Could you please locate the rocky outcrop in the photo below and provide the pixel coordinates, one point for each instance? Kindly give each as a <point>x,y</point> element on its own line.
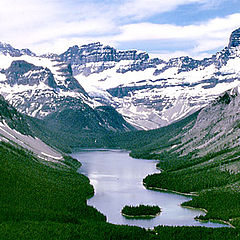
<point>96,58</point>
<point>7,49</point>
<point>23,73</point>
<point>96,52</point>
<point>234,39</point>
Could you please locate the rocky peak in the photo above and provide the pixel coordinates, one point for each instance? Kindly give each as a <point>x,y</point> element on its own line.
<point>234,38</point>
<point>28,52</point>
<point>52,56</point>
<point>20,67</point>
<point>24,73</point>
<point>96,52</point>
<point>7,49</point>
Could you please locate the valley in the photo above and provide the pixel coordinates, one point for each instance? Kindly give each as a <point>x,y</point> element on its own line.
<point>182,113</point>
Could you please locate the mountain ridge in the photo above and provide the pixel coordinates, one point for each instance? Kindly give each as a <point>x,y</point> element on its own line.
<point>149,93</point>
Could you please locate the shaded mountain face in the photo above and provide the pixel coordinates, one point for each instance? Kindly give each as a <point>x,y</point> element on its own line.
<point>23,73</point>
<point>101,119</point>
<point>234,38</point>
<point>217,126</point>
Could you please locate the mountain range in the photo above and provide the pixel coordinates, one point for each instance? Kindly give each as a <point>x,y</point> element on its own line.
<point>148,92</point>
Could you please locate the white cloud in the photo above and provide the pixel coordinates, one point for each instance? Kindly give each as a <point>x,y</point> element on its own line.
<point>16,14</point>
<point>166,55</point>
<point>54,25</point>
<point>215,29</point>
<point>206,36</point>
<point>90,27</point>
<point>144,8</point>
<point>38,24</point>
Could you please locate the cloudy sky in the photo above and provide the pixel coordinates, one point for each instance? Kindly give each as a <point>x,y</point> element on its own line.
<point>161,27</point>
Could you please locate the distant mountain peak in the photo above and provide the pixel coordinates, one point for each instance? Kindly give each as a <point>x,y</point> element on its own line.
<point>7,49</point>
<point>97,52</point>
<point>234,38</point>
<point>23,73</point>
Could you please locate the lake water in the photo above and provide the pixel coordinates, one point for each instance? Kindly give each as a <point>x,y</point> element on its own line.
<point>117,180</point>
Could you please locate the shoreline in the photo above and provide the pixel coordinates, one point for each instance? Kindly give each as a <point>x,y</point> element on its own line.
<point>189,207</point>
<point>141,216</point>
<point>170,191</point>
<point>208,220</point>
<point>216,221</point>
<point>195,208</point>
<point>167,191</point>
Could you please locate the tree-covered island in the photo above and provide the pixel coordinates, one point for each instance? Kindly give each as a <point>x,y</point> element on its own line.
<point>141,211</point>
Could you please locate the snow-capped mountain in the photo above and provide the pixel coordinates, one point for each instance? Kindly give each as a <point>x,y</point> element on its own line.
<point>151,92</point>
<point>7,49</point>
<point>38,86</point>
<point>43,85</point>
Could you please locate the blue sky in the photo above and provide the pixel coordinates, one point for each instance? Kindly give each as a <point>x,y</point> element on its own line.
<point>164,28</point>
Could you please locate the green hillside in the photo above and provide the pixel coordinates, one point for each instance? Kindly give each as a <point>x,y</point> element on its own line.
<point>40,202</point>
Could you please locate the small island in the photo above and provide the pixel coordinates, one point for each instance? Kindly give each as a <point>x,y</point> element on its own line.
<point>141,211</point>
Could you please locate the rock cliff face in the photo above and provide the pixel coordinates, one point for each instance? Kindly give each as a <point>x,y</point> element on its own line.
<point>217,126</point>
<point>23,73</point>
<point>96,52</point>
<point>234,38</point>
<point>102,58</point>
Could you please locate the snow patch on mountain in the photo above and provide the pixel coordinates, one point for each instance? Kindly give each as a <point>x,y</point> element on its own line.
<point>153,95</point>
<point>148,92</point>
<point>46,86</point>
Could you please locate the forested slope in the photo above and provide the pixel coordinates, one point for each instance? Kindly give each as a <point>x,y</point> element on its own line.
<point>40,202</point>
<point>204,160</point>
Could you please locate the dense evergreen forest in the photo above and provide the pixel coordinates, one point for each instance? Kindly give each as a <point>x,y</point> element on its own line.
<point>41,202</point>
<point>216,187</point>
